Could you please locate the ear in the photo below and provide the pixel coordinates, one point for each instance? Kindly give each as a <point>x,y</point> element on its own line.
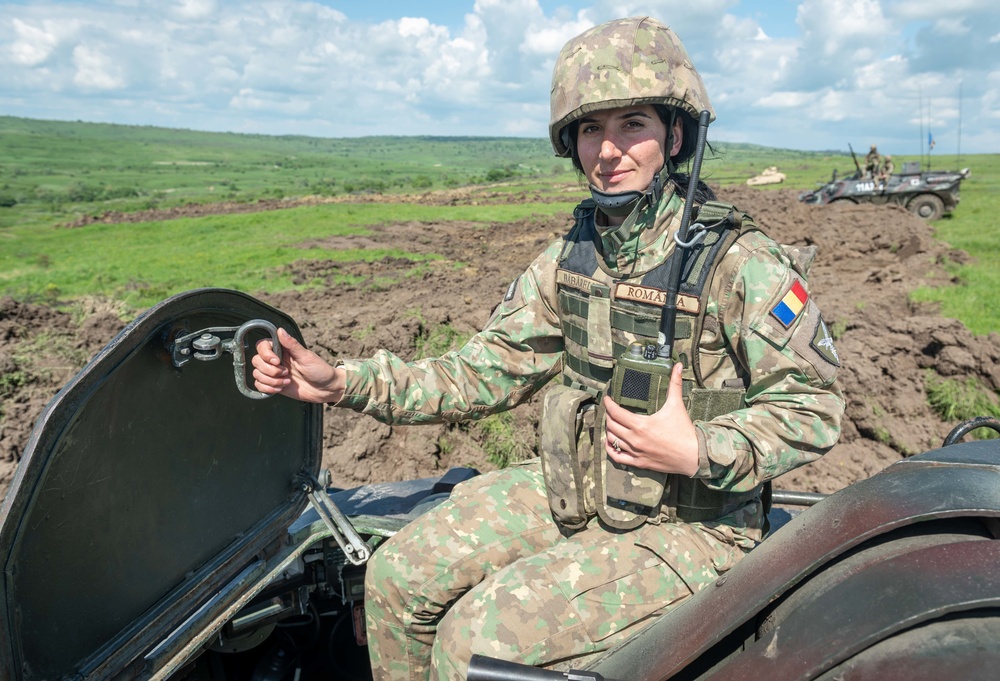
<point>678,137</point>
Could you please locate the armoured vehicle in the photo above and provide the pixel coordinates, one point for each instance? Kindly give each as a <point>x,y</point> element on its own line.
<point>166,522</point>
<point>928,194</point>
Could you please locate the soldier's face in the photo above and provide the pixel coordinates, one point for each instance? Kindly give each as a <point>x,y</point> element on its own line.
<point>622,149</point>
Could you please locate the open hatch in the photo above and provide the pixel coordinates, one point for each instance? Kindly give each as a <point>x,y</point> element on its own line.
<point>150,496</point>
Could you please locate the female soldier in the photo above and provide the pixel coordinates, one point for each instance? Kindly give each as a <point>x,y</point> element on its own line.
<point>626,514</point>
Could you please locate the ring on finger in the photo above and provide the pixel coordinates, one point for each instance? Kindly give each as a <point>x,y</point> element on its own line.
<point>617,445</point>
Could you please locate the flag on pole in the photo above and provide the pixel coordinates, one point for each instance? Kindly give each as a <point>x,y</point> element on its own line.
<point>930,141</point>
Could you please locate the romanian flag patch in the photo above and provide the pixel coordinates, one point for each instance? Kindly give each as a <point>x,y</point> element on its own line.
<point>791,304</point>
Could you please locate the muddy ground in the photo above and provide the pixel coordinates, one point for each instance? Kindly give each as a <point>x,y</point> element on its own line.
<point>869,258</point>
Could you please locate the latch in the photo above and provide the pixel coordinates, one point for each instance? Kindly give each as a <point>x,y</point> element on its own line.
<point>343,532</point>
<point>210,344</point>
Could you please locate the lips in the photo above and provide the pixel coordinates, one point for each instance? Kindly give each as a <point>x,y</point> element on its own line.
<point>614,177</point>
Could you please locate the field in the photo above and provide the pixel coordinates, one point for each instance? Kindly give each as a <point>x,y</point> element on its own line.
<point>405,243</point>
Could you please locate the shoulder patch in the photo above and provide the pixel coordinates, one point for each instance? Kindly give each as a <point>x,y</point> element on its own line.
<point>822,342</point>
<point>791,304</point>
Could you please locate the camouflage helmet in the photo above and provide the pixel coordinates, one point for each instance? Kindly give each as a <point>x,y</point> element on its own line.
<point>625,62</point>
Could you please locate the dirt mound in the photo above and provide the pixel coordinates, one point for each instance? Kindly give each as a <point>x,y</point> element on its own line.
<point>869,258</point>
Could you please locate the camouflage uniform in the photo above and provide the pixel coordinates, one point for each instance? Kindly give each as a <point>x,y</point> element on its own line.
<point>496,535</point>
<point>886,171</point>
<point>872,162</point>
<point>489,570</point>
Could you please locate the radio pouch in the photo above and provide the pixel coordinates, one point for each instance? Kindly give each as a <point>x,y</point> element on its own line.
<point>628,496</point>
<point>565,447</point>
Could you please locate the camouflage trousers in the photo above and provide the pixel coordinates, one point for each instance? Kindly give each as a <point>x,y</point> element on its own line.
<point>488,571</point>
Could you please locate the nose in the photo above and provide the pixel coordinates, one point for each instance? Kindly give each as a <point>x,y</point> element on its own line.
<point>609,149</point>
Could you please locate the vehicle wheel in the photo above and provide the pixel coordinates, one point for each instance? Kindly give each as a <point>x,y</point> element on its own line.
<point>843,200</point>
<point>926,206</point>
<point>962,646</point>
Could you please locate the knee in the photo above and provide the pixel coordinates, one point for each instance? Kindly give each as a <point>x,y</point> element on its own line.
<point>386,587</point>
<point>453,647</point>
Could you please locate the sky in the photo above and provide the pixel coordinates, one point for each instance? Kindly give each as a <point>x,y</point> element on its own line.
<point>809,74</point>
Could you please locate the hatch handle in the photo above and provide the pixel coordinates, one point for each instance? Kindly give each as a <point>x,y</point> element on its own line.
<point>211,343</point>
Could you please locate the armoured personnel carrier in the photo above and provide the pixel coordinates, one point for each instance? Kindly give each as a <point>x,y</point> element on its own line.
<point>165,523</point>
<point>927,194</point>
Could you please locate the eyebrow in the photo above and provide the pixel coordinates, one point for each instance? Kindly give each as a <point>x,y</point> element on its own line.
<point>631,114</point>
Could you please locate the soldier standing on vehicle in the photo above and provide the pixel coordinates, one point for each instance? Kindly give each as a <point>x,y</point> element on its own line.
<point>885,172</point>
<point>529,563</point>
<point>872,162</point>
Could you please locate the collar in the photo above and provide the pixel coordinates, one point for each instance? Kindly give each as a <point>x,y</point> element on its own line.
<point>623,245</point>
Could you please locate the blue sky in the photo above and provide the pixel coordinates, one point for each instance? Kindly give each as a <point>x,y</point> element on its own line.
<point>799,74</point>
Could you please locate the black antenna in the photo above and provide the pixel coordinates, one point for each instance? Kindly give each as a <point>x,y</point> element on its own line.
<point>668,316</point>
<point>959,123</point>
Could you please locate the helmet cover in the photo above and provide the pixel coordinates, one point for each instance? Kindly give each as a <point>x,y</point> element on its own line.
<point>625,62</point>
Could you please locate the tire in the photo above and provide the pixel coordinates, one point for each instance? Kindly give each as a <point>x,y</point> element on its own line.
<point>844,200</point>
<point>926,206</point>
<point>962,646</point>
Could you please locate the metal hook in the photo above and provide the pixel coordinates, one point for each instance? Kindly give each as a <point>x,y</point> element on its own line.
<point>700,231</point>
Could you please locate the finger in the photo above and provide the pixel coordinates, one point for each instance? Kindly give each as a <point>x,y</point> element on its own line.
<point>289,344</point>
<point>266,368</point>
<point>675,395</point>
<point>269,380</point>
<point>615,413</point>
<point>265,351</point>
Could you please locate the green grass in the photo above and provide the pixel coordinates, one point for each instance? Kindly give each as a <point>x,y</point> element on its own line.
<point>52,172</point>
<point>141,263</point>
<point>65,169</point>
<point>728,164</point>
<point>958,400</point>
<point>500,441</point>
<point>974,227</point>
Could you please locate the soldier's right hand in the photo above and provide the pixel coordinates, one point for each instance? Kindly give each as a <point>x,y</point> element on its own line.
<point>300,373</point>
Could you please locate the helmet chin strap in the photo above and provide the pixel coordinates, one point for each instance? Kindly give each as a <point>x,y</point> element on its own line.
<point>626,203</point>
<point>631,204</point>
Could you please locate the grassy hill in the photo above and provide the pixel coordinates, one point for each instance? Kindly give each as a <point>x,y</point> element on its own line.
<point>54,172</point>
<point>50,168</point>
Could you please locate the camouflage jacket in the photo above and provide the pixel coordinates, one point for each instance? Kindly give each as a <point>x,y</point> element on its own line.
<point>794,405</point>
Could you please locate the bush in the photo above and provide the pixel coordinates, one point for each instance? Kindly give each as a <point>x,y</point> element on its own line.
<point>960,400</point>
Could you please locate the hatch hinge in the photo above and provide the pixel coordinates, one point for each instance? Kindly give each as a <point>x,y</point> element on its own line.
<point>343,532</point>
<point>211,343</point>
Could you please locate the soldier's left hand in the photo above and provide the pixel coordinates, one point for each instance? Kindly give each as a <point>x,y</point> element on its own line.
<point>665,441</point>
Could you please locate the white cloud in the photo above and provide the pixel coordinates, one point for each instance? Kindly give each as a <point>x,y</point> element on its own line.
<point>96,70</point>
<point>951,26</point>
<point>33,44</point>
<point>192,10</point>
<point>929,10</point>
<point>855,28</point>
<point>855,69</point>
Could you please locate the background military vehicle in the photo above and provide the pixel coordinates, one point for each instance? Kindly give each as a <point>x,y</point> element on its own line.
<point>928,194</point>
<point>166,524</point>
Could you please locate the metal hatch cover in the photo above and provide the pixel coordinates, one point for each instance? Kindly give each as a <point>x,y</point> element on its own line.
<point>145,489</point>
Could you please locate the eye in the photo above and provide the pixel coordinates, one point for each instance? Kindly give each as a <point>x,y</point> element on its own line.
<point>589,128</point>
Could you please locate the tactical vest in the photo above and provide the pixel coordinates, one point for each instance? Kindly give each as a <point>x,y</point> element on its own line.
<point>601,312</point>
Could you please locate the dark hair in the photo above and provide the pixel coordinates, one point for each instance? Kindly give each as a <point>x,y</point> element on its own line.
<point>688,142</point>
